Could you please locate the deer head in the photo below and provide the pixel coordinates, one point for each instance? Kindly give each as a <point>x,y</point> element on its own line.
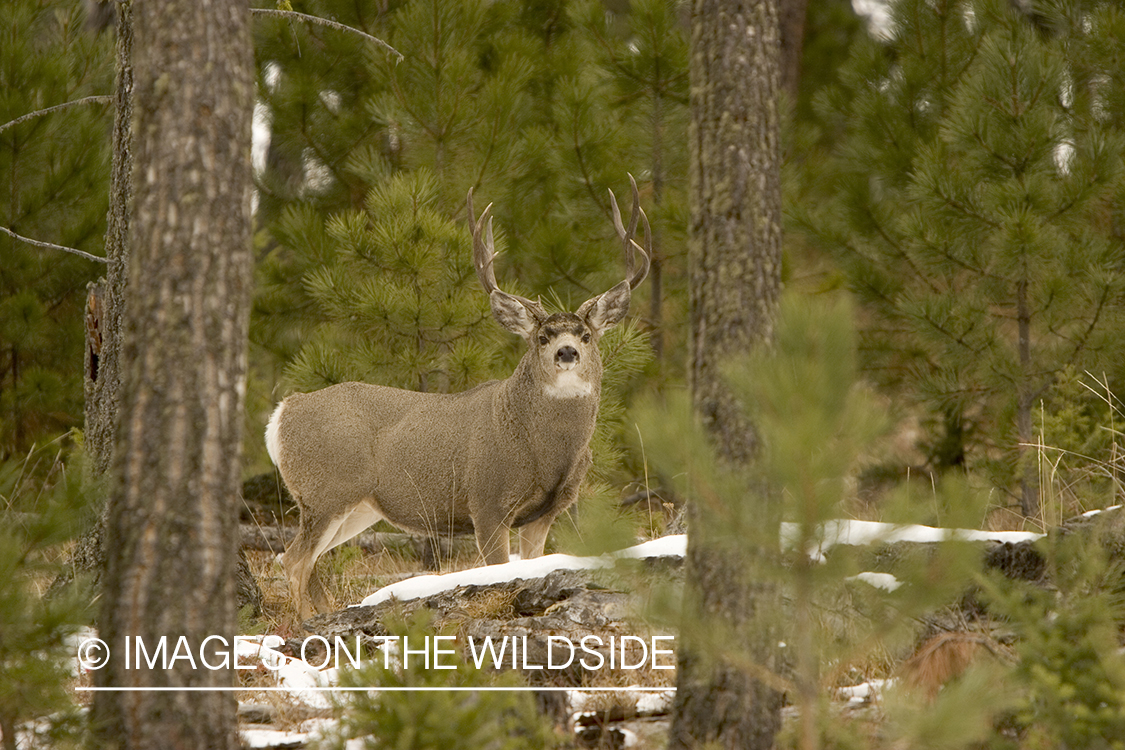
<point>564,345</point>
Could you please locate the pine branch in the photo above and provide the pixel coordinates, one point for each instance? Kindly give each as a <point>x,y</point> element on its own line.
<point>56,108</point>
<point>50,246</point>
<point>292,14</point>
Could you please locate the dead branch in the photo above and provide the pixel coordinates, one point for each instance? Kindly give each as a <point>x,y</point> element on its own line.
<point>56,108</point>
<point>292,14</point>
<point>51,246</point>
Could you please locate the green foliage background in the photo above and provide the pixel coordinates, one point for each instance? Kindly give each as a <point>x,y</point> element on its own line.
<point>970,194</point>
<point>54,176</point>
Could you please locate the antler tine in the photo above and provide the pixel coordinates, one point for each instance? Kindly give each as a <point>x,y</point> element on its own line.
<point>629,245</point>
<point>483,247</point>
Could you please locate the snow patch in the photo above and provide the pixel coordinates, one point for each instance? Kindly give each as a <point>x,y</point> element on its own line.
<point>884,581</point>
<point>865,692</point>
<point>537,567</point>
<point>858,533</point>
<point>1096,511</point>
<point>308,732</point>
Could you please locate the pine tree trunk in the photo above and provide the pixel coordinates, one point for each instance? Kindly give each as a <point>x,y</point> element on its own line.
<point>656,269</point>
<point>1025,402</point>
<point>792,27</point>
<point>735,232</point>
<point>172,533</point>
<point>106,301</point>
<point>735,257</point>
<point>105,304</point>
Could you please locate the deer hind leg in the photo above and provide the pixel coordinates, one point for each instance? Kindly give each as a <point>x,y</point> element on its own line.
<point>299,560</point>
<point>314,538</point>
<point>362,517</point>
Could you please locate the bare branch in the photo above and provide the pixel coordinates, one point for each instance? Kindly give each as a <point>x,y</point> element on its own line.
<point>56,108</point>
<point>292,14</point>
<point>50,246</point>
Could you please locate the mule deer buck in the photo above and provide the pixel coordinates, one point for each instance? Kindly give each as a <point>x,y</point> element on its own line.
<point>505,454</point>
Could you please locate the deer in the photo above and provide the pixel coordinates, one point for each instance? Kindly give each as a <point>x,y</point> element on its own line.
<point>506,454</point>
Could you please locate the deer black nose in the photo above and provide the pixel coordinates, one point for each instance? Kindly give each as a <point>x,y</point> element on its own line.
<point>566,355</point>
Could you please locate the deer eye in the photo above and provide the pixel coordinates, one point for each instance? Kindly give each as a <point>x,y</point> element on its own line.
<point>586,338</point>
<point>543,341</point>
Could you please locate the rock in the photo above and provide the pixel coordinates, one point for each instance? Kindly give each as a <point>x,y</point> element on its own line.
<point>517,598</point>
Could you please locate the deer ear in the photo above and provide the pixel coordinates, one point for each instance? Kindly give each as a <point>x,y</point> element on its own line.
<point>514,313</point>
<point>607,309</point>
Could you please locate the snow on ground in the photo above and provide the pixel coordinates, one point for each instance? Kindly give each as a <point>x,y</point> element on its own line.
<point>309,731</point>
<point>647,700</point>
<point>830,534</point>
<point>868,532</point>
<point>866,692</point>
<point>1096,511</point>
<point>537,567</point>
<point>884,581</point>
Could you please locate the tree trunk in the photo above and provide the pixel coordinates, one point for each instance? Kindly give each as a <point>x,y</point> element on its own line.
<point>105,303</point>
<point>1025,402</point>
<point>172,531</point>
<point>735,233</point>
<point>791,22</point>
<point>723,694</point>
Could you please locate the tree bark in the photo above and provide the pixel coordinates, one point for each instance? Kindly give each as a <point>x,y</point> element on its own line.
<point>724,694</point>
<point>735,233</point>
<point>105,304</point>
<point>172,531</point>
<point>106,298</point>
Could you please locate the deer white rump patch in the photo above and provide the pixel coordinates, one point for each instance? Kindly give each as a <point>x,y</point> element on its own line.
<point>568,384</point>
<point>273,442</point>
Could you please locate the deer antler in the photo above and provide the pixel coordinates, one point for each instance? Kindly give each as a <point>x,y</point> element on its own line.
<point>483,248</point>
<point>634,275</point>
<point>484,253</point>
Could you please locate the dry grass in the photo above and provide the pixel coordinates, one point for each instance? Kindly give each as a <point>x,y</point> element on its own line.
<point>490,604</point>
<point>348,573</point>
<point>946,656</point>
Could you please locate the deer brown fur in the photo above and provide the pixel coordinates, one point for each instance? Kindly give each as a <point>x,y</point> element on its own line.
<point>507,454</point>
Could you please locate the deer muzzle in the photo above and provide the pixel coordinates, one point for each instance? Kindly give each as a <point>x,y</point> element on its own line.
<point>566,357</point>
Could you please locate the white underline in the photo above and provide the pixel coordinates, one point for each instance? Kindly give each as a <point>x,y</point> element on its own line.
<point>420,689</point>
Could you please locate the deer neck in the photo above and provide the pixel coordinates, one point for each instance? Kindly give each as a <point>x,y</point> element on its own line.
<point>566,407</point>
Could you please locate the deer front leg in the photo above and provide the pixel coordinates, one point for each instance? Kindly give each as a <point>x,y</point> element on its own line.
<point>492,538</point>
<point>533,537</point>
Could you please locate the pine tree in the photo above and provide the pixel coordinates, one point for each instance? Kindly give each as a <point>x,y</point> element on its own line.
<point>314,85</point>
<point>36,655</point>
<point>644,57</point>
<point>417,714</point>
<point>1070,678</point>
<point>397,294</point>
<point>53,189</point>
<point>516,100</point>
<point>974,208</point>
<point>735,250</point>
<point>171,528</point>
